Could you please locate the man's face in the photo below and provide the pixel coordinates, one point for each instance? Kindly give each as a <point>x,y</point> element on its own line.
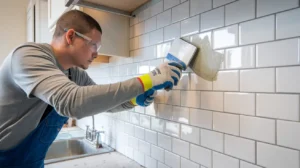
<point>85,51</point>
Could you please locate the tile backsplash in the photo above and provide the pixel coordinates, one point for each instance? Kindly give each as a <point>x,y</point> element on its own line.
<point>247,118</point>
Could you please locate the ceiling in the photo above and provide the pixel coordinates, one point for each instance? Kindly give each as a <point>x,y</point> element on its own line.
<point>124,5</point>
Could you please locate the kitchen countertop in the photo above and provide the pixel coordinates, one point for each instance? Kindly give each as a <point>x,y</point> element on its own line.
<point>107,160</point>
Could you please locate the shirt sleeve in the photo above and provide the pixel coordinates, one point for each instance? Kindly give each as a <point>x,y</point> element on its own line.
<point>82,78</point>
<point>36,73</point>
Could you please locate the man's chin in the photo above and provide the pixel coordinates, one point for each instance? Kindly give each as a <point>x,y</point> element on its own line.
<point>85,67</point>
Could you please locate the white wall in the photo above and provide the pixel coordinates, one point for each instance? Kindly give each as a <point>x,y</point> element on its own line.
<point>248,118</point>
<point>12,25</point>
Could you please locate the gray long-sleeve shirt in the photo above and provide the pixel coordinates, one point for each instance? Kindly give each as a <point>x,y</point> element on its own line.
<point>31,78</point>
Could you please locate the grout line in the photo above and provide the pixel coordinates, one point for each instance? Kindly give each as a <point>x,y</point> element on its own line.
<point>255,9</point>
<point>221,133</point>
<point>255,159</point>
<point>276,121</point>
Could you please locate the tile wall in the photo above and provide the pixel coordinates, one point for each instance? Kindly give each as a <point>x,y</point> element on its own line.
<point>248,118</point>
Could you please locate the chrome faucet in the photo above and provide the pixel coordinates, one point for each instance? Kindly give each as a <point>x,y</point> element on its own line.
<point>92,135</point>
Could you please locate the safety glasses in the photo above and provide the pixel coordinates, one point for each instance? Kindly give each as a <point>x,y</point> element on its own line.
<point>93,46</point>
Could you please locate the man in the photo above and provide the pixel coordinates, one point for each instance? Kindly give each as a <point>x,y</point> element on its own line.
<point>44,84</point>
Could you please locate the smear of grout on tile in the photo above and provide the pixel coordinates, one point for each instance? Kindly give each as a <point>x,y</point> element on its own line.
<point>206,62</point>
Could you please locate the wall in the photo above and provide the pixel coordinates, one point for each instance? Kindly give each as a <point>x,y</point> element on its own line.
<point>13,25</point>
<point>248,118</point>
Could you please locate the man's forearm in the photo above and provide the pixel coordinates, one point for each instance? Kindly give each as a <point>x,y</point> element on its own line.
<point>123,107</point>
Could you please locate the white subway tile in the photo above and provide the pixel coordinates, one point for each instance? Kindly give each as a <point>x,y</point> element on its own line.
<point>265,7</point>
<point>143,67</point>
<point>240,148</point>
<point>150,53</point>
<point>151,136</point>
<point>150,162</point>
<point>139,109</point>
<point>172,128</point>
<point>180,12</point>
<point>165,141</point>
<point>170,3</point>
<point>212,19</point>
<point>190,99</point>
<point>144,15</point>
<point>239,11</point>
<point>288,134</point>
<point>285,24</point>
<point>139,132</point>
<point>258,30</point>
<point>212,101</point>
<point>191,134</point>
<point>172,160</point>
<point>150,24</point>
<point>188,164</point>
<point>248,165</point>
<point>181,114</point>
<point>198,83</point>
<point>173,97</point>
<point>144,147</point>
<point>217,3</point>
<point>222,161</point>
<point>164,19</point>
<point>129,129</point>
<point>145,121</point>
<point>134,43</point>
<point>200,6</point>
<point>212,140</point>
<point>157,153</point>
<point>258,128</point>
<point>152,109</point>
<point>160,97</point>
<point>163,49</point>
<point>277,157</point>
<point>201,155</point>
<point>157,124</point>
<point>139,29</point>
<point>257,80</point>
<point>161,165</point>
<point>279,53</point>
<point>135,118</point>
<point>133,21</point>
<point>139,157</point>
<point>181,148</point>
<point>133,142</point>
<point>184,83</point>
<point>226,37</point>
<point>190,26</point>
<point>131,32</point>
<point>156,8</point>
<point>240,57</point>
<point>240,103</point>
<point>144,40</point>
<point>171,32</point>
<point>156,37</point>
<point>227,81</point>
<point>281,106</point>
<point>165,111</point>
<point>201,118</point>
<point>288,79</point>
<point>227,123</point>
<point>129,152</point>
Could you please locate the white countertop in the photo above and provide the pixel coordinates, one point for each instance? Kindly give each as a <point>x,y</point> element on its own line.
<point>107,160</point>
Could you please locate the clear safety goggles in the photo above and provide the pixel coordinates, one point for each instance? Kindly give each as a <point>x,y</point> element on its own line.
<point>93,46</point>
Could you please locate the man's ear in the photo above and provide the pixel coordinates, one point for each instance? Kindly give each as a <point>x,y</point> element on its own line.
<point>70,36</point>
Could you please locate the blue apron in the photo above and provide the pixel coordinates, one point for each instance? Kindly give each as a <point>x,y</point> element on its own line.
<point>31,152</point>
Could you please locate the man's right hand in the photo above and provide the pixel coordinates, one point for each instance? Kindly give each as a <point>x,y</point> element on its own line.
<point>163,77</point>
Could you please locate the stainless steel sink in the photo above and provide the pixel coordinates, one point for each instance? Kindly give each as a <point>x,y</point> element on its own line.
<point>62,150</point>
